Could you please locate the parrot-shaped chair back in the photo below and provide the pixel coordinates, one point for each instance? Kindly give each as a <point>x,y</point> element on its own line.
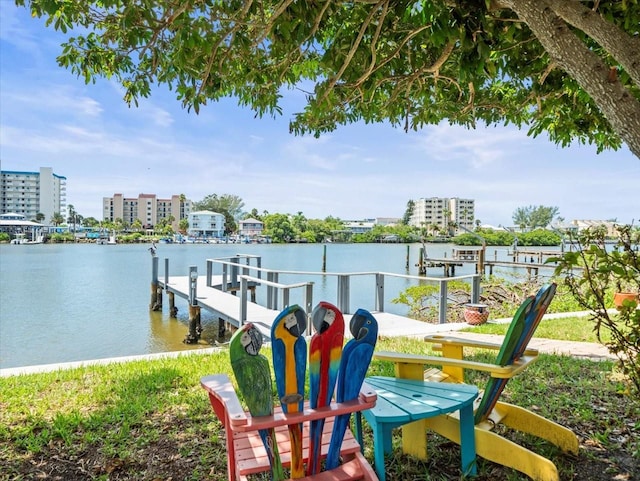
<point>356,357</point>
<point>289,349</point>
<point>253,376</point>
<point>325,351</point>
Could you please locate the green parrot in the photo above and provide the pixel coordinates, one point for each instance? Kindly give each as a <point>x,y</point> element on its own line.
<point>253,377</point>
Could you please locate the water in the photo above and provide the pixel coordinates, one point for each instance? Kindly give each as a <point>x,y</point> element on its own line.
<point>61,303</point>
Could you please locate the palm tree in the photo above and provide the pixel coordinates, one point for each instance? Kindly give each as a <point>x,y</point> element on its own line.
<point>57,219</point>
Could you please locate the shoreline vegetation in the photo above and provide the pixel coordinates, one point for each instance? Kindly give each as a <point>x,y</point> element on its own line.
<point>150,420</point>
<point>379,234</point>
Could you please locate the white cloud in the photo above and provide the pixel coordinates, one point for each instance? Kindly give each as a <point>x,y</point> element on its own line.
<point>479,147</point>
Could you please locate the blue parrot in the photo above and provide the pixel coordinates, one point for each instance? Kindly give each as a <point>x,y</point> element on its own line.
<point>253,376</point>
<point>356,356</point>
<point>289,350</point>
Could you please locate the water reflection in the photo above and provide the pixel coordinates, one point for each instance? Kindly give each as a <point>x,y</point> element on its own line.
<point>167,334</point>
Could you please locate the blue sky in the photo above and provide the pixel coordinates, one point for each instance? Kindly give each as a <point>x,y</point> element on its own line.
<point>87,133</point>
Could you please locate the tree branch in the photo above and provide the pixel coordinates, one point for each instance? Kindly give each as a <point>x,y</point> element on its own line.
<point>618,106</point>
<point>619,44</point>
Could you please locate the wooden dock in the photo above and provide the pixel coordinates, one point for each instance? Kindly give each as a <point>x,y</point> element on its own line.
<point>227,307</point>
<point>449,265</point>
<point>231,298</point>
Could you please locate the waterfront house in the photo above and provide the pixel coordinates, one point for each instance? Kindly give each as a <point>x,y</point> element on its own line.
<point>250,228</point>
<point>206,224</point>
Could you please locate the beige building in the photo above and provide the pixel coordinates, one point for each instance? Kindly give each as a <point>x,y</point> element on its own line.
<point>250,227</point>
<point>147,208</point>
<point>439,212</point>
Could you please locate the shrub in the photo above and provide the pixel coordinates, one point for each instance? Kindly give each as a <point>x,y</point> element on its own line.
<point>592,273</point>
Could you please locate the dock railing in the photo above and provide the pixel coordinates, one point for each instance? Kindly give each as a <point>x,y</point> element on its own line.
<point>284,290</point>
<point>238,273</point>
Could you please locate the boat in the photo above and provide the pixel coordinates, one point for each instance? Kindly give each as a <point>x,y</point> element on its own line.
<point>110,241</point>
<point>21,239</point>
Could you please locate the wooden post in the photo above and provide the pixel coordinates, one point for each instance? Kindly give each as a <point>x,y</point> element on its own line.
<point>221,329</point>
<point>481,255</point>
<point>195,327</point>
<point>324,258</point>
<point>173,310</point>
<point>158,305</point>
<point>194,310</point>
<point>154,283</point>
<point>422,269</point>
<point>407,261</point>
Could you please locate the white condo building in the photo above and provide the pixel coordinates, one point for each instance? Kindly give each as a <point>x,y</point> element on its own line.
<point>31,193</point>
<point>439,212</point>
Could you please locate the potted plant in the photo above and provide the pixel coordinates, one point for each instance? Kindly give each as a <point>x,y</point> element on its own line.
<point>597,274</point>
<point>625,291</point>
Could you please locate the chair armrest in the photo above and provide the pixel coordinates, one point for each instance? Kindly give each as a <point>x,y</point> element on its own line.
<point>279,418</point>
<point>494,370</point>
<point>462,342</point>
<point>222,392</point>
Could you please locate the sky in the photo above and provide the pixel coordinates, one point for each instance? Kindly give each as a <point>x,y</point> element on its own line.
<point>88,134</point>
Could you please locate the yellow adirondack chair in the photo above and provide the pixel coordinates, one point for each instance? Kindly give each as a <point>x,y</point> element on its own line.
<point>513,358</point>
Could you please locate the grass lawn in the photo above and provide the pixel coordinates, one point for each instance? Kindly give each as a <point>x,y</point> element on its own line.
<point>150,420</point>
<point>563,328</point>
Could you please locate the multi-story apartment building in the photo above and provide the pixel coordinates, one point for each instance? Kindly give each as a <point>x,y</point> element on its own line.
<point>206,224</point>
<point>33,193</point>
<point>146,208</point>
<point>439,213</point>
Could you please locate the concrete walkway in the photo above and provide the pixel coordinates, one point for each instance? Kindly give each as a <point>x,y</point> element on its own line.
<point>585,350</point>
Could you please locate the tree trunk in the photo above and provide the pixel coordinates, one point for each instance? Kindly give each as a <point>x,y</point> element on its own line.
<point>619,107</point>
<point>619,44</point>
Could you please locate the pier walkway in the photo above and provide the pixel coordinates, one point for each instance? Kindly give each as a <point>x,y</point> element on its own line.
<point>230,295</point>
<point>228,308</point>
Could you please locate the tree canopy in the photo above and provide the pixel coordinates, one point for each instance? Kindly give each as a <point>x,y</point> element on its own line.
<point>567,68</point>
<point>534,217</point>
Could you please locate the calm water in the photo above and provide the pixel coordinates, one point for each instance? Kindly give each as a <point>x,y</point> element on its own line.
<point>61,303</point>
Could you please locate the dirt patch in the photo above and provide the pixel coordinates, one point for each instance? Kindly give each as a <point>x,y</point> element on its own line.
<point>190,452</point>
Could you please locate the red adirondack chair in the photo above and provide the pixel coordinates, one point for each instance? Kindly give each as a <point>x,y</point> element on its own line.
<point>250,439</point>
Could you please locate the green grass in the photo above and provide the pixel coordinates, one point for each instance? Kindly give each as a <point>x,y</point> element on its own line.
<point>565,329</point>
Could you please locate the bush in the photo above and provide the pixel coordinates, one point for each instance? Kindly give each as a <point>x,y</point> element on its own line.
<point>593,273</point>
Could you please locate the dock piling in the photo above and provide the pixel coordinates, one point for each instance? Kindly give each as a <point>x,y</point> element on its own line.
<point>153,305</point>
<point>407,258</point>
<point>195,328</point>
<point>324,258</point>
<point>173,310</point>
<point>422,267</point>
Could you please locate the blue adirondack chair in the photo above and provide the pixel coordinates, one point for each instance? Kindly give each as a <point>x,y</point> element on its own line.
<point>513,357</point>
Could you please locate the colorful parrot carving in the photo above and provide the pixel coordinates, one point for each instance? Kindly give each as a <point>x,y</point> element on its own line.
<point>356,356</point>
<point>290,365</point>
<point>253,376</point>
<point>325,350</point>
